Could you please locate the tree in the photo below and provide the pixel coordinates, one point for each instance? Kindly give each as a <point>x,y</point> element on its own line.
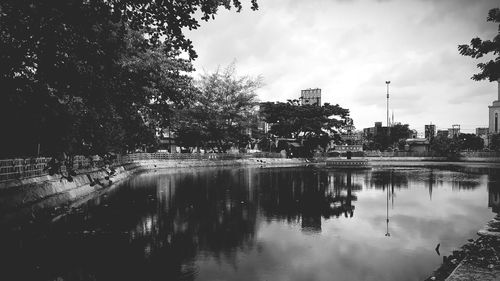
<point>93,76</point>
<point>314,125</point>
<point>478,48</point>
<point>396,138</point>
<point>222,112</point>
<point>399,132</point>
<point>444,146</point>
<point>495,142</point>
<point>471,142</point>
<point>97,102</point>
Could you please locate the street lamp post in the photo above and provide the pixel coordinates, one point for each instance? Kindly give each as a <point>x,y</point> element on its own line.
<point>387,83</point>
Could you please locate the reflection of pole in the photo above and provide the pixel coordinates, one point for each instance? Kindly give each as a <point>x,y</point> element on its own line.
<point>387,212</point>
<point>392,191</point>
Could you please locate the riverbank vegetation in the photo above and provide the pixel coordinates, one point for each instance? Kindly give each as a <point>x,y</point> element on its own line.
<point>314,126</point>
<point>88,77</point>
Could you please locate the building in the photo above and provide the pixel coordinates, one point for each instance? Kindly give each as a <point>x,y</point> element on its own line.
<point>310,97</point>
<point>454,131</point>
<point>378,129</point>
<point>167,141</point>
<point>417,145</point>
<point>482,131</point>
<point>442,133</point>
<point>430,131</point>
<point>345,148</point>
<point>494,111</point>
<point>413,134</point>
<point>351,136</point>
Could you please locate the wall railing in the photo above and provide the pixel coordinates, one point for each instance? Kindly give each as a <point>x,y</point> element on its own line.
<point>16,169</point>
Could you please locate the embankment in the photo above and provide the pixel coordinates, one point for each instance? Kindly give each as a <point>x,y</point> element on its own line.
<point>43,197</point>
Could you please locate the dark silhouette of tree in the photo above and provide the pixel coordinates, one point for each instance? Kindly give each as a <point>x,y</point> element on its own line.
<point>444,146</point>
<point>495,142</point>
<point>315,125</point>
<point>93,76</point>
<point>478,48</point>
<point>471,142</point>
<point>396,138</point>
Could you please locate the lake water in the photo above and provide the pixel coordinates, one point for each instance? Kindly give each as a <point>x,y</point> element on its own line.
<point>262,224</point>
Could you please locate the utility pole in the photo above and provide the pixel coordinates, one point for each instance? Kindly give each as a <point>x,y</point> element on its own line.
<point>387,83</point>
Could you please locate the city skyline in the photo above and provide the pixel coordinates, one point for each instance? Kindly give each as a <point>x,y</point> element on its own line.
<point>350,48</point>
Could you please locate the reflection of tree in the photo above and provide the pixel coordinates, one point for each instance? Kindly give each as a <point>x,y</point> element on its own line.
<point>458,177</point>
<point>158,225</point>
<point>154,228</point>
<point>494,191</point>
<point>209,212</point>
<point>381,179</point>
<point>298,194</point>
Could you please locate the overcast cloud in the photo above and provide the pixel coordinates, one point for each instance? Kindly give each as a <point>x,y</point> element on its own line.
<point>349,48</point>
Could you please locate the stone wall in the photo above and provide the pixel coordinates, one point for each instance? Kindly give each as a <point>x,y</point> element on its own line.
<point>30,198</point>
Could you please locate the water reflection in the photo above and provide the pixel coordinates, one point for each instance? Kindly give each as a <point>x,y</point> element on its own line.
<point>262,224</point>
<point>307,196</point>
<point>494,192</point>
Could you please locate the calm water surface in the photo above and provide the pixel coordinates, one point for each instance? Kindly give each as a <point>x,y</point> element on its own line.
<point>262,224</point>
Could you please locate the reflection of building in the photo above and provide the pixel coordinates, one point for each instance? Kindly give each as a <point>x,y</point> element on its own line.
<point>430,131</point>
<point>494,111</point>
<point>494,192</point>
<point>310,97</point>
<point>494,199</point>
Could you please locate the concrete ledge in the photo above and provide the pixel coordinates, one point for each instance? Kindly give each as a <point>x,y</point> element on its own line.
<point>478,260</point>
<point>30,198</point>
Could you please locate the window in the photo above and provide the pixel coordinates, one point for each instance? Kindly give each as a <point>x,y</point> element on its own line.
<point>496,122</point>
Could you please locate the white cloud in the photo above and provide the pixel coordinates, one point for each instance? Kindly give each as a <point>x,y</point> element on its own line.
<point>350,48</point>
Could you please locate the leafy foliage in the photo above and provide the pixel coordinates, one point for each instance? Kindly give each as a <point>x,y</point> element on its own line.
<point>396,138</point>
<point>444,146</point>
<point>495,142</point>
<point>222,113</point>
<point>478,48</point>
<point>315,125</point>
<point>471,142</point>
<point>81,77</point>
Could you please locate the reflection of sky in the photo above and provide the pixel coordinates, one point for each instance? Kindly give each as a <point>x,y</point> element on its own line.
<point>263,224</point>
<point>356,248</point>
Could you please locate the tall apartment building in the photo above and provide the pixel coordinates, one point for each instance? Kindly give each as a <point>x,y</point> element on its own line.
<point>454,131</point>
<point>482,131</point>
<point>310,97</point>
<point>430,131</point>
<point>494,111</point>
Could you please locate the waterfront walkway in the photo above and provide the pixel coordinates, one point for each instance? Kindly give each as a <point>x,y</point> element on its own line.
<point>478,260</point>
<point>482,261</point>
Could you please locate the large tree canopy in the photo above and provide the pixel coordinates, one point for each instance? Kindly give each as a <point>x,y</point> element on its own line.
<point>478,48</point>
<point>316,125</point>
<point>93,75</point>
<point>222,113</point>
<point>396,138</point>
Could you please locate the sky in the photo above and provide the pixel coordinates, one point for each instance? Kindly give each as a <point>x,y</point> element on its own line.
<point>349,48</point>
